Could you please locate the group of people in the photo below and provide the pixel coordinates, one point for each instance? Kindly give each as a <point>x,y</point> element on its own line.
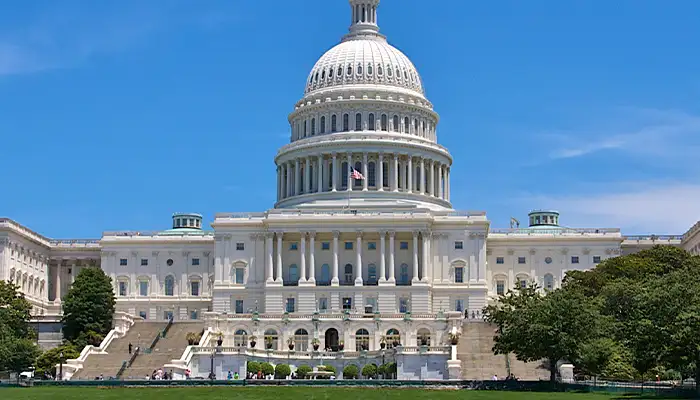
<point>160,374</point>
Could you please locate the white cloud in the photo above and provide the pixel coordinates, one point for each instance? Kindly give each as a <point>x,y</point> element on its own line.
<point>669,208</point>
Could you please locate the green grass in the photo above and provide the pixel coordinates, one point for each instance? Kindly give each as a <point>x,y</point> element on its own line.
<point>280,393</point>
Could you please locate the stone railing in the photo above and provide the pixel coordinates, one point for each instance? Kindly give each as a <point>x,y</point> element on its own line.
<point>294,354</point>
<point>556,231</point>
<point>654,238</point>
<point>335,316</point>
<point>388,213</point>
<point>157,233</point>
<point>72,243</point>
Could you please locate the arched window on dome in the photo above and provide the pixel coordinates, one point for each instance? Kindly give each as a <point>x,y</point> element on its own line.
<point>369,69</point>
<point>330,175</point>
<point>316,77</point>
<point>339,71</point>
<point>423,129</point>
<point>334,123</point>
<point>385,174</point>
<point>323,74</point>
<point>349,70</point>
<point>358,122</point>
<point>357,183</point>
<point>363,14</point>
<point>385,122</point>
<point>398,73</point>
<point>395,121</point>
<point>380,72</point>
<point>344,175</point>
<point>389,71</point>
<point>359,69</point>
<point>313,126</point>
<point>346,122</point>
<point>372,175</point>
<point>370,122</point>
<point>405,75</point>
<point>306,123</point>
<point>406,125</point>
<point>323,125</point>
<point>415,127</point>
<point>416,179</point>
<point>330,73</point>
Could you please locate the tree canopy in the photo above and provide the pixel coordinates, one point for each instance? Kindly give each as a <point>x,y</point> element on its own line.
<point>18,351</point>
<point>88,308</point>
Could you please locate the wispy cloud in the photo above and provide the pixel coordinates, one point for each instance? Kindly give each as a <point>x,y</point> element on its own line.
<point>652,207</point>
<point>634,132</point>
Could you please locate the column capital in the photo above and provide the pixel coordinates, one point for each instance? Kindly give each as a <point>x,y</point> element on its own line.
<point>334,154</point>
<point>155,253</point>
<point>511,252</point>
<point>269,235</point>
<point>185,253</point>
<point>134,254</point>
<point>426,233</point>
<point>392,234</point>
<point>382,233</point>
<point>415,234</point>
<point>253,236</point>
<point>533,252</point>
<point>336,234</point>
<point>359,234</point>
<point>312,234</point>
<point>206,254</point>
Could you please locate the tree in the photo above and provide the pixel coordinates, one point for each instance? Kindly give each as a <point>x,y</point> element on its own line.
<point>282,371</point>
<point>253,367</point>
<point>303,370</point>
<point>370,371</point>
<point>350,371</point>
<point>18,354</point>
<point>15,313</point>
<point>46,363</point>
<point>537,327</point>
<point>88,306</point>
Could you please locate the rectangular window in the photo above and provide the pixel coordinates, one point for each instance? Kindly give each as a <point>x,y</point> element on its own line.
<point>122,288</point>
<point>459,245</point>
<point>240,246</point>
<point>239,306</point>
<point>499,260</point>
<point>371,245</point>
<point>347,303</point>
<point>193,314</point>
<point>293,246</point>
<point>322,304</point>
<point>348,245</point>
<point>240,274</point>
<point>459,305</point>
<point>521,260</point>
<point>123,262</point>
<point>596,259</point>
<point>574,259</point>
<point>143,288</point>
<point>325,245</point>
<point>143,314</point>
<point>194,288</point>
<point>144,262</point>
<point>403,246</point>
<point>459,275</point>
<point>290,304</point>
<point>523,283</point>
<point>500,288</point>
<point>403,305</point>
<point>195,261</point>
<point>370,305</point>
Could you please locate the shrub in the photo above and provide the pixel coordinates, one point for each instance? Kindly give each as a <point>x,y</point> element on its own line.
<point>388,369</point>
<point>267,368</point>
<point>303,370</point>
<point>350,372</point>
<point>282,371</point>
<point>253,367</point>
<point>370,371</point>
<point>327,368</point>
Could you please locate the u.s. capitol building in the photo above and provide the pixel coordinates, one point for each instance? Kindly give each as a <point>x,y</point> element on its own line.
<point>385,245</point>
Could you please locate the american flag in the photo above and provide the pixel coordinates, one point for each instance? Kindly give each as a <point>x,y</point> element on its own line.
<point>356,175</point>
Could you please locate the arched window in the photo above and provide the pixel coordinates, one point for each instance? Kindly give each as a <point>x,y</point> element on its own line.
<point>323,74</point>
<point>325,275</point>
<point>393,338</point>
<point>346,122</point>
<point>334,123</point>
<point>384,122</point>
<point>271,339</point>
<point>330,174</point>
<point>306,125</point>
<point>316,77</point>
<point>361,340</point>
<point>389,71</point>
<point>372,274</point>
<point>372,176</point>
<point>344,175</point>
<point>369,69</point>
<point>349,70</point>
<point>356,182</point>
<point>293,275</point>
<point>323,124</point>
<point>358,122</point>
<point>169,285</point>
<point>348,274</point>
<point>240,338</point>
<point>405,75</point>
<point>403,274</point>
<point>406,125</point>
<point>379,70</point>
<point>301,340</point>
<point>385,174</point>
<point>423,129</point>
<point>395,121</point>
<point>423,337</point>
<point>370,122</point>
<point>313,126</point>
<point>359,69</point>
<point>398,74</point>
<point>548,282</point>
<point>330,73</point>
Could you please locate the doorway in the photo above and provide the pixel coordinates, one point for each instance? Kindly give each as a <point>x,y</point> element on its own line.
<point>331,339</point>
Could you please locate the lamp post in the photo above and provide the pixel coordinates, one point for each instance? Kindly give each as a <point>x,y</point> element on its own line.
<point>60,366</point>
<point>212,375</point>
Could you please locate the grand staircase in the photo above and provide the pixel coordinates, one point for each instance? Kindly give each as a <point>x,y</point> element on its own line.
<point>167,349</point>
<point>479,362</point>
<point>141,333</point>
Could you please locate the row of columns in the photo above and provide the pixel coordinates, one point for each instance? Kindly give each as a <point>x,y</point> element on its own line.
<point>419,269</point>
<point>316,170</point>
<point>318,123</point>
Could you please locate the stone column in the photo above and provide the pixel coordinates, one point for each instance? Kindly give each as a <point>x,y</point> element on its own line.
<point>297,178</point>
<point>409,176</point>
<point>350,167</point>
<point>422,176</point>
<point>72,273</point>
<point>380,178</point>
<point>365,172</point>
<point>312,257</point>
<point>431,179</point>
<point>415,256</point>
<point>269,247</point>
<point>358,278</point>
<point>382,256</point>
<point>425,236</point>
<point>58,280</point>
<point>320,168</point>
<point>392,250</point>
<point>447,183</point>
<point>334,279</point>
<point>335,173</point>
<point>288,168</point>
<point>302,259</point>
<point>440,191</point>
<point>395,173</point>
<point>307,176</point>
<point>279,257</point>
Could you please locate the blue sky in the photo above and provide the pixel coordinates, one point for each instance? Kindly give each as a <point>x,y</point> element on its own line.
<point>114,114</point>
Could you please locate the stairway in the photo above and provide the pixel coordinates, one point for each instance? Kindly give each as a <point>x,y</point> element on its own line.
<point>167,349</point>
<point>479,362</point>
<point>142,332</point>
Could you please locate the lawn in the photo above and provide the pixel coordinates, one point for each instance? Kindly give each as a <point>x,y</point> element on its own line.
<point>280,393</point>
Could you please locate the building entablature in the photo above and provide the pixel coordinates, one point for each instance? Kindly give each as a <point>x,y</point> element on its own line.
<point>360,99</point>
<point>651,240</point>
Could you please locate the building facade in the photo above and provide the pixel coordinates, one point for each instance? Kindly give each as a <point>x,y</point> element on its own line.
<point>362,234</point>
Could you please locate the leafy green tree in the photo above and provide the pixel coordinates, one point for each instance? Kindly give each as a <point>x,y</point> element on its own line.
<point>15,313</point>
<point>88,306</point>
<point>253,367</point>
<point>267,368</point>
<point>46,363</point>
<point>282,371</point>
<point>350,371</point>
<point>370,371</point>
<point>303,370</point>
<point>18,354</point>
<point>536,327</point>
